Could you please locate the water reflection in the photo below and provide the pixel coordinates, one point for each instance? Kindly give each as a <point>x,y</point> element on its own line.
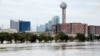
<point>53,49</point>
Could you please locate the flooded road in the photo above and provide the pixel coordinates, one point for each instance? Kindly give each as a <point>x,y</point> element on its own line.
<point>51,49</point>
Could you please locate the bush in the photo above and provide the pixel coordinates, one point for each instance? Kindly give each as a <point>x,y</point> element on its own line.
<point>80,37</point>
<point>91,37</point>
<point>71,38</point>
<point>5,36</point>
<point>61,36</point>
<point>33,38</point>
<point>97,37</point>
<point>41,37</point>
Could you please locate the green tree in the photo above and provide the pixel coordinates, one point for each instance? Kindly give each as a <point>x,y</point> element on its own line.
<point>5,36</point>
<point>61,36</point>
<point>97,37</point>
<point>33,38</point>
<point>21,37</point>
<point>47,38</point>
<point>8,37</point>
<point>2,38</point>
<point>41,37</point>
<point>16,37</point>
<point>50,38</point>
<point>91,37</point>
<point>80,37</point>
<point>71,38</point>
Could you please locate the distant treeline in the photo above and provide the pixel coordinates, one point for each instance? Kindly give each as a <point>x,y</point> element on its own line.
<point>32,38</point>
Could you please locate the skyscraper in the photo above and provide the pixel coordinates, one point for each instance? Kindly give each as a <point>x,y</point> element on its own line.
<point>24,26</point>
<point>63,6</point>
<point>14,25</point>
<point>48,26</point>
<point>41,28</point>
<point>55,20</point>
<point>20,26</point>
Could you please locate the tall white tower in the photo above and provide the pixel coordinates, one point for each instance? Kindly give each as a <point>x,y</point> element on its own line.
<point>63,6</point>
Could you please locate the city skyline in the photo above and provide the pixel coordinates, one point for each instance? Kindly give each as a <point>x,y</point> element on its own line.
<point>40,12</point>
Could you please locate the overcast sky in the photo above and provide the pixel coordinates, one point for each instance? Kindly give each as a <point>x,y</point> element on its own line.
<point>41,11</point>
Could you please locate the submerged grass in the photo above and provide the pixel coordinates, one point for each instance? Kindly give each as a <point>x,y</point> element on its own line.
<point>2,48</point>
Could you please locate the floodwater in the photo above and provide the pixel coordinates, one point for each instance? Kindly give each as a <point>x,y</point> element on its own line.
<point>51,49</point>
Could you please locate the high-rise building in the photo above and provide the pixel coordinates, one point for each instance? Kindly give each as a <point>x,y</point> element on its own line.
<point>20,26</point>
<point>48,26</point>
<point>63,6</point>
<point>24,26</point>
<point>41,28</point>
<point>55,20</point>
<point>14,25</point>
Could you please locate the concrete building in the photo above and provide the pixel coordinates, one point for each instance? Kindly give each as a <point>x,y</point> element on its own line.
<point>94,30</point>
<point>14,25</point>
<point>56,28</point>
<point>71,28</point>
<point>20,26</point>
<point>91,29</point>
<point>79,28</point>
<point>9,30</point>
<point>97,30</point>
<point>65,28</point>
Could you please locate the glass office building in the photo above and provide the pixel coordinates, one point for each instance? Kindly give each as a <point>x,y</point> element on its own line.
<point>24,26</point>
<point>55,20</point>
<point>41,28</point>
<point>48,26</point>
<point>20,26</point>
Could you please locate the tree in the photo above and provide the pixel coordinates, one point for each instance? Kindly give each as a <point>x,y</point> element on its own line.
<point>56,38</point>
<point>21,37</point>
<point>66,38</point>
<point>71,38</point>
<point>97,37</point>
<point>80,37</point>
<point>91,37</point>
<point>2,37</point>
<point>33,38</point>
<point>50,38</point>
<point>8,37</point>
<point>41,37</point>
<point>15,37</point>
<point>62,37</point>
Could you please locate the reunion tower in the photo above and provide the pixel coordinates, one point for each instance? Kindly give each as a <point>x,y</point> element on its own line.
<point>63,6</point>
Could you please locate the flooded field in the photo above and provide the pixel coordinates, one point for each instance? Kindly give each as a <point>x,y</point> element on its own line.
<point>51,49</point>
